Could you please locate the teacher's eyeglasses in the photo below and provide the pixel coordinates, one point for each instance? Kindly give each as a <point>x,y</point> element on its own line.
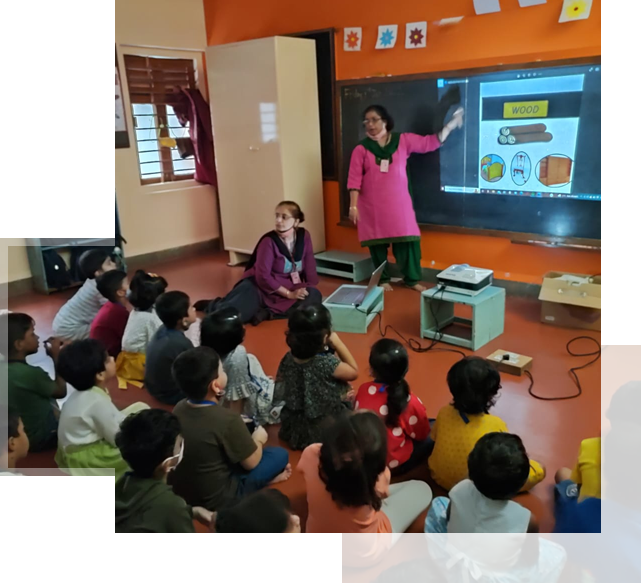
<point>371,121</point>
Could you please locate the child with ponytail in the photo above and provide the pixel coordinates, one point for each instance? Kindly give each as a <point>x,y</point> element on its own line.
<point>403,413</point>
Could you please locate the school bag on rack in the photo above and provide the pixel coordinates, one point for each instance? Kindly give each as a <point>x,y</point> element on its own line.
<point>94,175</point>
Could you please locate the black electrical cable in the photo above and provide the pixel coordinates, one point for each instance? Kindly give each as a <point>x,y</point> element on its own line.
<point>572,372</point>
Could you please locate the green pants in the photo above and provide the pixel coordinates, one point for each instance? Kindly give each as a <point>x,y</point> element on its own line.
<point>72,518</point>
<point>408,258</point>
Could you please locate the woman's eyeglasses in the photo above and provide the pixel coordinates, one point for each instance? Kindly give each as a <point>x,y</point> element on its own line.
<point>371,121</point>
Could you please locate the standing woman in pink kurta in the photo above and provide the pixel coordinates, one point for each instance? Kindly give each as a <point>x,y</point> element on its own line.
<point>380,201</point>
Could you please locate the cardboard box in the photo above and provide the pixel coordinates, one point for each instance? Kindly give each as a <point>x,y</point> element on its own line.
<point>515,364</point>
<point>571,300</point>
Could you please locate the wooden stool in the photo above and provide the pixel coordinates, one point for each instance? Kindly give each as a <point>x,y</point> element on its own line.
<point>488,315</point>
<point>626,318</point>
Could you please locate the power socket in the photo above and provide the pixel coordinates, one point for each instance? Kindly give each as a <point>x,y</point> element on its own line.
<point>510,362</point>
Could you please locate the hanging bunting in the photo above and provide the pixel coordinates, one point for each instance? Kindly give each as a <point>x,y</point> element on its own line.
<point>624,9</point>
<point>415,35</point>
<point>526,3</point>
<point>486,6</point>
<point>387,36</point>
<point>352,39</point>
<point>575,10</point>
<point>448,21</point>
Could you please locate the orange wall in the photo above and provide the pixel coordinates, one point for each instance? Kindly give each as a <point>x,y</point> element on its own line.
<point>515,35</point>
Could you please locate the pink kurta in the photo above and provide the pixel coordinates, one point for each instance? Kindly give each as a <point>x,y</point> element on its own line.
<point>384,203</point>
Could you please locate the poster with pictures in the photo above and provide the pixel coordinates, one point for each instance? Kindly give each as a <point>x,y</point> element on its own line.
<point>81,99</point>
<point>122,137</point>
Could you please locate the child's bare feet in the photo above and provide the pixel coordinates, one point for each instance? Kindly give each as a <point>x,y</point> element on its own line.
<point>562,475</point>
<point>284,475</point>
<point>387,287</point>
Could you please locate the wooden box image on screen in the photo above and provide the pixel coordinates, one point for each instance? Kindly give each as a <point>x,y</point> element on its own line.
<point>555,170</point>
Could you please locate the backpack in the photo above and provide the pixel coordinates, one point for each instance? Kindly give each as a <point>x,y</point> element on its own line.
<point>76,221</point>
<point>104,219</point>
<point>94,175</point>
<point>56,271</point>
<point>51,233</point>
<point>63,178</point>
<point>32,184</point>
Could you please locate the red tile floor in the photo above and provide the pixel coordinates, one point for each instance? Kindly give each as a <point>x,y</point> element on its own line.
<point>551,431</point>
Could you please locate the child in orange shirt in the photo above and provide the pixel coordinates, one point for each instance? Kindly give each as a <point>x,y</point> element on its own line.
<point>348,486</point>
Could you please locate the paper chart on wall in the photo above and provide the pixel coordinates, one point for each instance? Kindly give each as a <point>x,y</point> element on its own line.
<point>81,99</point>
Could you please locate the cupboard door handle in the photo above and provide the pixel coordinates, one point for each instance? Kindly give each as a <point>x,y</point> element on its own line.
<point>253,149</point>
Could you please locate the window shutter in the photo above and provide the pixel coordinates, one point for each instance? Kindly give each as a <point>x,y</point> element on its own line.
<point>150,79</point>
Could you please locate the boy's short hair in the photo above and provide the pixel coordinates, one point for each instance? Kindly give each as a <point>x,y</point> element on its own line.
<point>13,327</point>
<point>146,439</point>
<point>474,383</point>
<point>13,422</point>
<point>194,370</point>
<point>625,403</point>
<point>264,511</point>
<point>417,571</point>
<point>91,261</point>
<point>80,362</point>
<point>109,283</point>
<point>171,307</point>
<point>499,465</point>
<point>621,446</point>
<point>222,330</point>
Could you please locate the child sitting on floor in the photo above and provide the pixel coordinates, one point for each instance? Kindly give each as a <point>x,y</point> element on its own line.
<point>403,413</point>
<point>73,320</point>
<point>176,313</point>
<point>625,405</point>
<point>311,382</point>
<point>257,537</point>
<point>89,420</point>
<point>223,461</point>
<point>31,391</point>
<point>110,322</point>
<point>355,516</point>
<point>474,384</point>
<point>604,536</point>
<point>143,323</point>
<point>249,390</point>
<point>34,536</point>
<point>498,470</point>
<point>150,442</point>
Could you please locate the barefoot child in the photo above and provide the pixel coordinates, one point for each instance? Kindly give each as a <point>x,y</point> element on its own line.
<point>223,461</point>
<point>33,536</point>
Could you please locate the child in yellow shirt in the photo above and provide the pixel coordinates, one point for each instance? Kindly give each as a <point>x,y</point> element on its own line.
<point>587,471</point>
<point>474,384</point>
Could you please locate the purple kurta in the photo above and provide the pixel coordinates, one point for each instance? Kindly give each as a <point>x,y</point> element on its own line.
<point>272,270</point>
<point>385,207</point>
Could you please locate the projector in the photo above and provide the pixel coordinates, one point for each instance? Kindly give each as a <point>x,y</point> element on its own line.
<point>463,279</point>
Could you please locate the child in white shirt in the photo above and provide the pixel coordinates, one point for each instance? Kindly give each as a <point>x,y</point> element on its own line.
<point>498,468</point>
<point>89,421</point>
<point>73,320</point>
<point>143,323</point>
<point>33,536</point>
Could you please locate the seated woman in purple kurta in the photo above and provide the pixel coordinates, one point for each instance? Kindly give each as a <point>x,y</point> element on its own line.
<point>281,273</point>
<point>380,202</point>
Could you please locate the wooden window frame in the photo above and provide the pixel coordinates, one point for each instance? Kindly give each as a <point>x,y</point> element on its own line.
<point>154,95</point>
<point>10,95</point>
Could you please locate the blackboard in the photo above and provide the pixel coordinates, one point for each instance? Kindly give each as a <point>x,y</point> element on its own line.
<point>608,219</point>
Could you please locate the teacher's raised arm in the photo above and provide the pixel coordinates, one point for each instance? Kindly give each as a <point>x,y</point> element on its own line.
<point>380,199</point>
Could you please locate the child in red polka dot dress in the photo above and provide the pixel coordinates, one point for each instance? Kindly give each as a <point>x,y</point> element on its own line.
<point>402,412</point>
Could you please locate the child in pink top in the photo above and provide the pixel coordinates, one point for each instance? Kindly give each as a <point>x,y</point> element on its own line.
<point>355,516</point>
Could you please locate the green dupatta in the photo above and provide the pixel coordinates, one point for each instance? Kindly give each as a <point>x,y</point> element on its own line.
<point>386,153</point>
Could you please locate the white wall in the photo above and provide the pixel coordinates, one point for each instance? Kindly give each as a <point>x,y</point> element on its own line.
<point>153,217</point>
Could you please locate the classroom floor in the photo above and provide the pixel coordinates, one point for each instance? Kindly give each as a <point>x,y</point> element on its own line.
<point>551,431</point>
